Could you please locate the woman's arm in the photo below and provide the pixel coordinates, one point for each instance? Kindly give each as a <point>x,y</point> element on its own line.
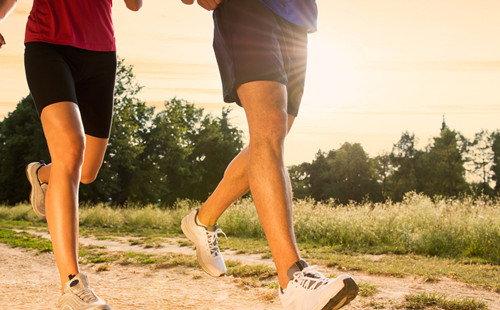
<point>6,6</point>
<point>133,5</point>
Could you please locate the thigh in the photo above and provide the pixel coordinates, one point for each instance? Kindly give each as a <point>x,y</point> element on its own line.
<point>48,74</point>
<point>63,131</point>
<point>264,103</point>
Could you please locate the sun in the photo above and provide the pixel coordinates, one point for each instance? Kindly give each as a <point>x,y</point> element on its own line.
<point>333,70</point>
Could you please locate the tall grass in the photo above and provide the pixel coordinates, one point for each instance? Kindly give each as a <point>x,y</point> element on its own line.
<point>466,227</point>
<point>459,228</point>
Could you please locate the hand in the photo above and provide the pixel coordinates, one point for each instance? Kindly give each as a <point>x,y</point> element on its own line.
<point>2,40</point>
<point>206,4</point>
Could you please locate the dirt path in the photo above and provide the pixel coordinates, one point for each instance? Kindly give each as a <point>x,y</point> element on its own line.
<point>30,281</point>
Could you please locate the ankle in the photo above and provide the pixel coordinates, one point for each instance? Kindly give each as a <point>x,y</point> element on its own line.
<point>205,220</point>
<point>42,175</point>
<point>285,276</point>
<point>283,282</point>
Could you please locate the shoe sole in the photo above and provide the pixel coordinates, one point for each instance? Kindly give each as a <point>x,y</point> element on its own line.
<point>345,296</point>
<point>187,232</point>
<point>36,190</point>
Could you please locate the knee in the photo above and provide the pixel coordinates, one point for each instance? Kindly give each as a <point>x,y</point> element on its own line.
<point>272,138</point>
<point>72,155</point>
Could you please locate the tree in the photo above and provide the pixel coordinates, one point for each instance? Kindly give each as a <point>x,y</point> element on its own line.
<point>443,171</point>
<point>496,160</point>
<point>480,160</point>
<point>185,154</point>
<point>216,143</point>
<point>404,160</point>
<point>344,174</point>
<point>319,177</point>
<point>384,170</point>
<point>21,142</point>
<point>301,180</point>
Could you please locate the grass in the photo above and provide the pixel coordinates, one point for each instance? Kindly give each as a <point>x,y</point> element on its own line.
<point>366,289</point>
<point>25,240</point>
<point>433,300</point>
<point>460,228</point>
<point>428,238</point>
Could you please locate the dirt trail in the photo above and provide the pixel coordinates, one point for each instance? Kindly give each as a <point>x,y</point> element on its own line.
<point>30,281</point>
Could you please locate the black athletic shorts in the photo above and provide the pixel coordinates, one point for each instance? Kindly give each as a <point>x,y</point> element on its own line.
<point>58,73</point>
<point>252,43</point>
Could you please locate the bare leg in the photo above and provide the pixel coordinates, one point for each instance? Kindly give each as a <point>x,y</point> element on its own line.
<point>265,107</point>
<point>233,185</point>
<point>66,140</point>
<point>95,149</point>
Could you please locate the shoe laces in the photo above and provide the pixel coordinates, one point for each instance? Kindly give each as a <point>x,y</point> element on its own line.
<point>87,295</point>
<point>309,278</point>
<point>213,241</point>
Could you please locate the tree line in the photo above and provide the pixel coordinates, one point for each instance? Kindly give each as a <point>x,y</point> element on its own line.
<point>179,152</point>
<point>449,166</point>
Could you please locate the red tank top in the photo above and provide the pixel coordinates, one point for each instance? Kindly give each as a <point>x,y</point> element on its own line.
<point>85,24</point>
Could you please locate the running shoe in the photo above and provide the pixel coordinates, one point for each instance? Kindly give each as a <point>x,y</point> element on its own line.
<point>205,239</point>
<point>79,296</point>
<point>38,190</point>
<point>310,290</point>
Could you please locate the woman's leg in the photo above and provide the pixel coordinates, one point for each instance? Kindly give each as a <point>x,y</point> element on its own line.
<point>65,137</point>
<point>95,149</point>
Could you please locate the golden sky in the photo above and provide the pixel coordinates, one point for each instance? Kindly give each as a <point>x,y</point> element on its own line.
<point>376,68</point>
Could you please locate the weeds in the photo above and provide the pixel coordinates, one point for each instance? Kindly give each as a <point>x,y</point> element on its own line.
<point>367,289</point>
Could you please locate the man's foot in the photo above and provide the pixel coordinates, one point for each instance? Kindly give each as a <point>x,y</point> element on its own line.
<point>310,290</point>
<point>38,190</point>
<point>205,240</point>
<point>79,296</point>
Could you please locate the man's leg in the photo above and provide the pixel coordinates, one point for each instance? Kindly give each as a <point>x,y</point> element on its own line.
<point>233,185</point>
<point>265,105</point>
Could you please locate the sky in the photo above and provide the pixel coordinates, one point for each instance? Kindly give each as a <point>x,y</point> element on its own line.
<point>376,68</point>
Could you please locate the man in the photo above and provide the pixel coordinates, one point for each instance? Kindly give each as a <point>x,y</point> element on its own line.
<point>261,48</point>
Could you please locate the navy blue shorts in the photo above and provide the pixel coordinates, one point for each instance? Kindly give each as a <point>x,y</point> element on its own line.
<point>58,73</point>
<point>252,43</point>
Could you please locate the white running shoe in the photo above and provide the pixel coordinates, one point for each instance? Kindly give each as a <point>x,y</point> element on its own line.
<point>38,190</point>
<point>310,290</point>
<point>205,239</point>
<point>79,296</point>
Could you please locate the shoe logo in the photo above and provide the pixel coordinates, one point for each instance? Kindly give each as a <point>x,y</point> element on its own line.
<point>73,283</point>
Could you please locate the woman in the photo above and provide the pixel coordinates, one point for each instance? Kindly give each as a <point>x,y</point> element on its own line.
<point>70,62</point>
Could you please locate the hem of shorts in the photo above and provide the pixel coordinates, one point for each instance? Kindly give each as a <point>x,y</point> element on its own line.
<point>96,48</point>
<point>233,96</point>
